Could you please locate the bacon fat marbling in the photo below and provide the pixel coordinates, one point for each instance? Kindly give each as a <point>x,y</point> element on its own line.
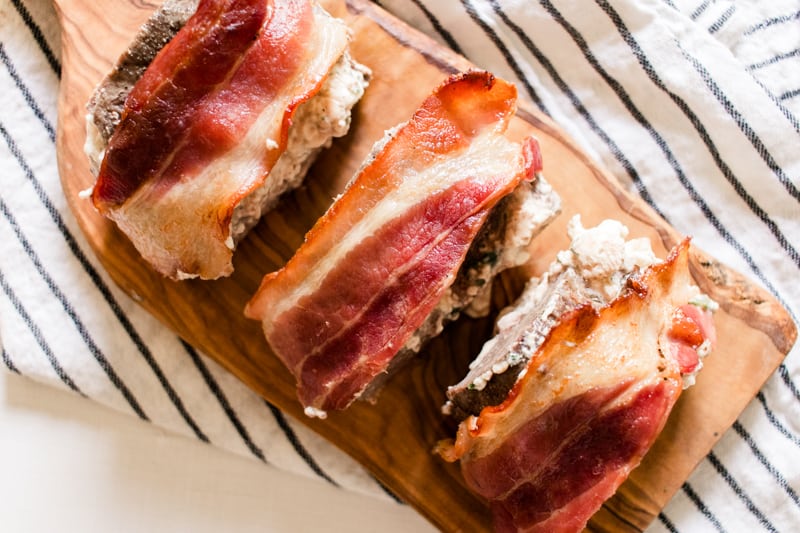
<point>375,265</point>
<point>207,122</point>
<point>592,400</point>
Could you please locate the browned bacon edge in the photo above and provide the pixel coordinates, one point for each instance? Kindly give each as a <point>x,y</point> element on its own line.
<point>339,336</point>
<point>552,471</point>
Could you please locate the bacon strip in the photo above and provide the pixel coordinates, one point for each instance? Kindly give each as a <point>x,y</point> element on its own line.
<point>595,396</point>
<point>206,123</point>
<point>159,109</point>
<point>377,263</point>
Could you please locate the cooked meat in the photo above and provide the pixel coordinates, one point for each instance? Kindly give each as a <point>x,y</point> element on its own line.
<point>502,243</point>
<point>226,156</point>
<point>383,261</point>
<point>593,271</point>
<point>520,333</point>
<point>598,357</point>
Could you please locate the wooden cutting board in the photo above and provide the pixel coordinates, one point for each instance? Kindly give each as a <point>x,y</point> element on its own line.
<point>394,438</point>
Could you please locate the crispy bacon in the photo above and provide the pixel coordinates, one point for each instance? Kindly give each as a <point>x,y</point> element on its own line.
<point>377,263</point>
<point>206,123</point>
<point>592,401</point>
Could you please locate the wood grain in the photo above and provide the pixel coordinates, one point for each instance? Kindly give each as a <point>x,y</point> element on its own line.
<point>394,438</point>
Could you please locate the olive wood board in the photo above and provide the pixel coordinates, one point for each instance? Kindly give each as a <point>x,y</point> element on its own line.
<point>394,437</point>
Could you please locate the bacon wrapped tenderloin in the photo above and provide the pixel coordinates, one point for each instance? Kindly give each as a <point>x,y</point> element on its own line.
<point>564,402</point>
<point>215,110</point>
<point>444,203</point>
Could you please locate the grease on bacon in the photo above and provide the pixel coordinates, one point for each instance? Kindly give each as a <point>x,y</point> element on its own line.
<point>224,118</point>
<point>379,272</point>
<point>596,353</point>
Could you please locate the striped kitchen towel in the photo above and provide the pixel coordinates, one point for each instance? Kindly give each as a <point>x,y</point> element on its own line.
<point>693,104</point>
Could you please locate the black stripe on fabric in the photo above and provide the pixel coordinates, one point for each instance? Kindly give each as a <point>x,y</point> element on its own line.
<point>771,22</point>
<point>757,210</point>
<point>294,440</point>
<point>671,4</point>
<point>639,117</point>
<point>699,201</point>
<point>124,320</point>
<point>132,332</point>
<point>778,103</point>
<point>748,439</point>
<point>714,28</point>
<point>704,510</point>
<point>667,523</point>
<point>618,89</point>
<point>37,334</point>
<point>744,127</point>
<point>473,14</point>
<point>38,36</point>
<point>217,391</point>
<point>789,94</point>
<point>774,59</point>
<point>578,105</point>
<point>102,287</point>
<point>783,372</point>
<point>134,336</point>
<point>700,9</point>
<point>26,94</point>
<point>783,430</point>
<point>737,489</point>
<point>72,314</point>
<point>441,30</point>
<point>648,68</point>
<point>7,358</point>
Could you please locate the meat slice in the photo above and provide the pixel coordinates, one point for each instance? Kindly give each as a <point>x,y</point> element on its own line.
<point>205,129</point>
<point>499,364</point>
<point>589,397</point>
<point>378,265</point>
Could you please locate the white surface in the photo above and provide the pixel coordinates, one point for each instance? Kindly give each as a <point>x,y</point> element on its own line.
<point>69,464</point>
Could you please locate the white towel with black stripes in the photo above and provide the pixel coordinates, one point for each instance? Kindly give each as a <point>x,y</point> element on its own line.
<point>693,104</point>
